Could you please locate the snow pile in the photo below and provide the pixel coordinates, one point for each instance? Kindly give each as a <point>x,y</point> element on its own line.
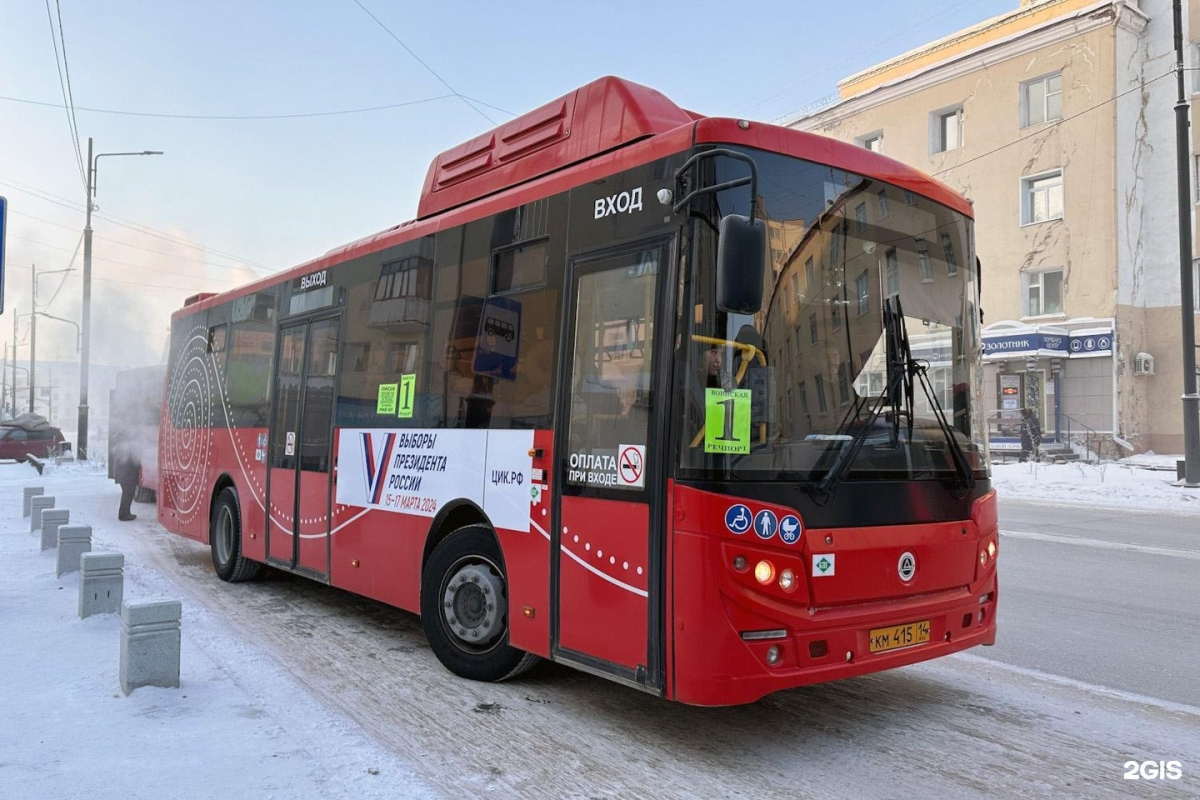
<point>1144,482</point>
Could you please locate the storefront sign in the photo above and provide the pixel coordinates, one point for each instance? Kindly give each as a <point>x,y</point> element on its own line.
<point>1074,345</point>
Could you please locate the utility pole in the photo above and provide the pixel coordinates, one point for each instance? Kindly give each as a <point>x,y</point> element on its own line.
<point>14,382</point>
<point>86,321</point>
<point>32,337</point>
<point>1191,401</point>
<point>86,332</point>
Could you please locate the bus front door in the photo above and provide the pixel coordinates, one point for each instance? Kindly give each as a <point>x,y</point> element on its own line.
<point>298,492</point>
<point>605,592</point>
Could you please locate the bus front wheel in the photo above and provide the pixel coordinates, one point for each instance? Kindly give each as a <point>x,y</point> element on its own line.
<point>464,607</point>
<point>225,538</point>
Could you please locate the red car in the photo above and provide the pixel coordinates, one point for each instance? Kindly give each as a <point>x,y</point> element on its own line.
<point>17,442</point>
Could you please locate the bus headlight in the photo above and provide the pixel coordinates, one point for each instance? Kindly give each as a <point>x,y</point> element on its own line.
<point>787,580</point>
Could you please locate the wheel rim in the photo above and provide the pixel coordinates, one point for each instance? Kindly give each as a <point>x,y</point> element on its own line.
<point>474,607</point>
<point>223,536</point>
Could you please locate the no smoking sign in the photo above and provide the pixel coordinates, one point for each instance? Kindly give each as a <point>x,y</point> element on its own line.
<point>631,465</point>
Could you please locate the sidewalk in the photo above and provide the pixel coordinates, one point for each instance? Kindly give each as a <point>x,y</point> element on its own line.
<point>238,725</point>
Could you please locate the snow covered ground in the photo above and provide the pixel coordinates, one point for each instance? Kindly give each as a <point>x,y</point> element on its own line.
<point>240,725</point>
<point>1143,482</point>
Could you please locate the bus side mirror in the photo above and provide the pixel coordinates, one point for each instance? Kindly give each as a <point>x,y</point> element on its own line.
<point>740,258</point>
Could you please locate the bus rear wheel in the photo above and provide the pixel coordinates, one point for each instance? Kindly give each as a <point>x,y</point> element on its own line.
<point>464,607</point>
<point>225,538</point>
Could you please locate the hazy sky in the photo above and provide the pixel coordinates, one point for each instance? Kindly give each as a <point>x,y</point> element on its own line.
<point>233,199</point>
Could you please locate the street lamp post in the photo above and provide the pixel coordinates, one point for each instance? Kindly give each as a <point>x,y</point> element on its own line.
<point>81,435</point>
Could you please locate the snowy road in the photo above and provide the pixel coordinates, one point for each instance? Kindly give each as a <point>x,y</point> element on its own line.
<point>960,727</point>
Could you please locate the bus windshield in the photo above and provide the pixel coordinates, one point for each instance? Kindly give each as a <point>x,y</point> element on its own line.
<point>800,389</point>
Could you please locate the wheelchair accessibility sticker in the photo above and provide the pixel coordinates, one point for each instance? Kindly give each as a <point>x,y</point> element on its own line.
<point>738,519</point>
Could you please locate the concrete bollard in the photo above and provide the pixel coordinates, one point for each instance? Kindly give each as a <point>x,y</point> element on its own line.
<point>29,492</point>
<point>101,582</point>
<point>36,506</point>
<point>73,542</point>
<point>150,644</point>
<point>52,520</point>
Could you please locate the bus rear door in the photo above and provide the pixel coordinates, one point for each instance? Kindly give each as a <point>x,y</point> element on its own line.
<point>298,491</point>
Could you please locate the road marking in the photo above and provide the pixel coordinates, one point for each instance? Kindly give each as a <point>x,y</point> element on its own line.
<point>1117,694</point>
<point>1102,545</point>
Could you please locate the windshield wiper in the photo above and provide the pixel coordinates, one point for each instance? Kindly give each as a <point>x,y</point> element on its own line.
<point>919,370</point>
<point>903,371</point>
<point>897,389</point>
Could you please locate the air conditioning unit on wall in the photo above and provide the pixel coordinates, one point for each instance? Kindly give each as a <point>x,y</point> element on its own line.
<point>1143,364</point>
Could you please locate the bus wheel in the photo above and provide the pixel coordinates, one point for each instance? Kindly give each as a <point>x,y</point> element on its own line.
<point>464,608</point>
<point>225,537</point>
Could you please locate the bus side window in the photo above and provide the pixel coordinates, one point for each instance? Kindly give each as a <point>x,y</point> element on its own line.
<point>386,335</point>
<point>250,355</point>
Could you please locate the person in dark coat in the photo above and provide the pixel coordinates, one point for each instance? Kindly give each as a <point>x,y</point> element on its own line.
<point>126,472</point>
<point>1031,434</point>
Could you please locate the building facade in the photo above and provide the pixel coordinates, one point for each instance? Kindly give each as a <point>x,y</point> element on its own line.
<point>1057,120</point>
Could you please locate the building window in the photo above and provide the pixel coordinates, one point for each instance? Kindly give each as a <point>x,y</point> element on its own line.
<point>910,198</point>
<point>946,130</point>
<point>1194,50</point>
<point>835,316</point>
<point>810,276</point>
<point>891,272</point>
<point>1196,177</point>
<point>843,384</point>
<point>871,141</point>
<point>860,217</point>
<point>819,379</point>
<point>883,203</point>
<point>948,253</point>
<point>795,287</point>
<point>862,289</point>
<point>813,331</point>
<point>1042,197</point>
<point>924,262</point>
<point>1041,100</point>
<point>803,398</point>
<point>1043,292</point>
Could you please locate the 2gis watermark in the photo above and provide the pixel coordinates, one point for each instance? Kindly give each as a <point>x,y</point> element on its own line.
<point>1153,770</point>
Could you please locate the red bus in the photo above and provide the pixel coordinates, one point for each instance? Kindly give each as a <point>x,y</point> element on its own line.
<point>692,404</point>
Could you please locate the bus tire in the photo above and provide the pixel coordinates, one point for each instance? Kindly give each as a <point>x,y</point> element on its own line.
<point>225,539</point>
<point>464,607</point>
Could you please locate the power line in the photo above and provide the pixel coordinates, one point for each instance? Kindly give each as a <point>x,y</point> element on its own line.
<point>120,263</point>
<point>127,283</point>
<point>235,117</point>
<point>64,83</point>
<point>118,242</point>
<point>423,64</point>
<point>67,273</point>
<point>54,199</point>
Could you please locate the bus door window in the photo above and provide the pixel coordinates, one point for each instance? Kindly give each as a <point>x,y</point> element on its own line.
<point>318,398</point>
<point>611,369</point>
<point>287,398</point>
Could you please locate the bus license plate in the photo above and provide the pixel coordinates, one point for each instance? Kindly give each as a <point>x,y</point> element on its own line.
<point>898,636</point>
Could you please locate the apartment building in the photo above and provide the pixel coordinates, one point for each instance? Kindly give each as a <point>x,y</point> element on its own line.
<point>1057,120</point>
